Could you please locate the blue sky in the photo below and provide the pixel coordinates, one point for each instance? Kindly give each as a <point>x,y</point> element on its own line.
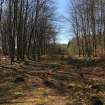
<point>64,27</point>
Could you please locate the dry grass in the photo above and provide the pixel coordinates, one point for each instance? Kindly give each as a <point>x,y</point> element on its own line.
<point>50,84</point>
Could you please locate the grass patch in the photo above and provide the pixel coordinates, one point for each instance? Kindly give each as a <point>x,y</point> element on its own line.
<point>41,101</point>
<point>99,87</point>
<point>61,77</point>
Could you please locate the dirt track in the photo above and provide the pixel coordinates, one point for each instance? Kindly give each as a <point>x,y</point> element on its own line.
<point>50,84</point>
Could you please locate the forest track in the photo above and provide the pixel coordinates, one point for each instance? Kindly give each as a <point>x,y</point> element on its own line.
<point>49,84</point>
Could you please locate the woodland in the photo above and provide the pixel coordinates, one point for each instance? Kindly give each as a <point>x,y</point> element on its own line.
<point>35,69</point>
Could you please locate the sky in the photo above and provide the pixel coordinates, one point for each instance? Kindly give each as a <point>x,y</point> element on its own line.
<point>62,11</point>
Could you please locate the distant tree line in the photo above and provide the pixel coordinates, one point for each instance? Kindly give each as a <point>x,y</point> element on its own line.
<point>88,24</point>
<point>26,28</point>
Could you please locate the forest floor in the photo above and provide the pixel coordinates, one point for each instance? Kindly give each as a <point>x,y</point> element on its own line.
<point>53,83</point>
